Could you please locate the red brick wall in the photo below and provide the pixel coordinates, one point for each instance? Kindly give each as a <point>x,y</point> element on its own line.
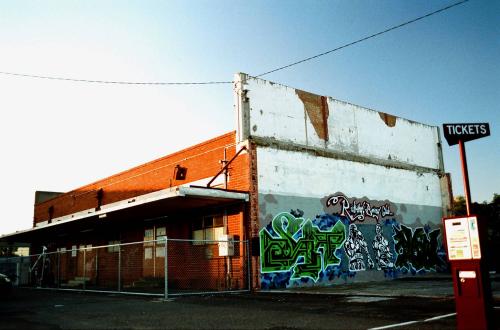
<point>201,161</point>
<point>189,266</point>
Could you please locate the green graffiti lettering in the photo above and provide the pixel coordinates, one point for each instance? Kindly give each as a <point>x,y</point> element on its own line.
<point>299,246</point>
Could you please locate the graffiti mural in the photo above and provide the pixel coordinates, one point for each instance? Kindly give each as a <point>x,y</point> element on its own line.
<point>357,210</point>
<point>380,244</point>
<point>293,244</point>
<point>416,249</point>
<point>349,236</point>
<point>356,249</point>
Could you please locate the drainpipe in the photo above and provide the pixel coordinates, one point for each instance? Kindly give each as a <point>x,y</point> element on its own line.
<point>224,163</point>
<point>226,229</point>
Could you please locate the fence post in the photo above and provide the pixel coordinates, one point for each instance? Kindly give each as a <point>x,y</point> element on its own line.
<point>119,267</point>
<point>166,267</point>
<point>96,271</point>
<point>59,269</point>
<point>249,272</point>
<point>19,271</point>
<point>84,267</point>
<point>43,267</point>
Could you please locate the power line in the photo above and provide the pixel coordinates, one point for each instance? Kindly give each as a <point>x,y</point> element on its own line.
<point>114,82</point>
<point>363,39</point>
<point>260,75</point>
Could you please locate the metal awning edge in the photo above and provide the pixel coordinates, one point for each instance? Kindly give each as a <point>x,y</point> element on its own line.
<point>182,191</point>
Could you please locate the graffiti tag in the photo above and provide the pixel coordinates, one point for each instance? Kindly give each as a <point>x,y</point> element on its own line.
<point>299,246</point>
<point>417,249</point>
<point>359,211</point>
<point>355,248</point>
<point>382,250</point>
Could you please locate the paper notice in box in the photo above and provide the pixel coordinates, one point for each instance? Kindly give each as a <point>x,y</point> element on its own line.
<point>457,239</point>
<point>462,238</point>
<point>474,238</point>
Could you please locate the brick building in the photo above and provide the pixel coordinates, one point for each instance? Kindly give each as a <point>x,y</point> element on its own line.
<point>325,191</point>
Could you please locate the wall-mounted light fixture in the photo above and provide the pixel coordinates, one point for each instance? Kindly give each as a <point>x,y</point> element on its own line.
<point>51,213</point>
<point>180,172</point>
<point>99,196</point>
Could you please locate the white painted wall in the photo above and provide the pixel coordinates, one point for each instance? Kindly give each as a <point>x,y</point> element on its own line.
<point>300,174</point>
<point>275,111</point>
<point>310,147</point>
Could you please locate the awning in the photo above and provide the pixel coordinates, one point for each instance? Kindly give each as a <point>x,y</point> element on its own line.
<point>171,200</point>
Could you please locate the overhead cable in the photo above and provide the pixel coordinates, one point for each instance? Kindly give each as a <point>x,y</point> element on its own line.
<point>114,82</point>
<point>259,75</point>
<point>362,39</point>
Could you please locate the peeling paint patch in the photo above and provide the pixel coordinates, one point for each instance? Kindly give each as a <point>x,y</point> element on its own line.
<point>316,107</point>
<point>388,119</point>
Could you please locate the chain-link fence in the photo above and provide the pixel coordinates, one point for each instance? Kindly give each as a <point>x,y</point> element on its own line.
<point>165,267</point>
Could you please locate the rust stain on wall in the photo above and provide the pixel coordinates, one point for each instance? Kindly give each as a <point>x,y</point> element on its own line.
<point>316,107</point>
<point>388,119</point>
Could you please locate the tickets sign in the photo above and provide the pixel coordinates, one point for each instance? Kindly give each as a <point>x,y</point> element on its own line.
<point>465,132</point>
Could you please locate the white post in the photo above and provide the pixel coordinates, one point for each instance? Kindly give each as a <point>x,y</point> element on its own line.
<point>249,273</point>
<point>119,267</point>
<point>84,264</point>
<point>166,268</point>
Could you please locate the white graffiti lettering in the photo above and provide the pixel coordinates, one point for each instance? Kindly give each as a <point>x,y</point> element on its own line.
<point>359,211</point>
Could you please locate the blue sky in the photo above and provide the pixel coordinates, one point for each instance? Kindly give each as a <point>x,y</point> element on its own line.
<point>60,135</point>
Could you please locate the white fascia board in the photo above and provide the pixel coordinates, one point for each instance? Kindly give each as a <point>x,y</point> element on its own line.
<point>139,200</point>
<point>212,193</point>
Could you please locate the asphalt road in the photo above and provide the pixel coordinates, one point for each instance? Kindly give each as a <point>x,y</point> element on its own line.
<point>46,309</point>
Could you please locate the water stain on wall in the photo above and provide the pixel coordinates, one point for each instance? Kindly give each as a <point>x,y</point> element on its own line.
<point>316,107</point>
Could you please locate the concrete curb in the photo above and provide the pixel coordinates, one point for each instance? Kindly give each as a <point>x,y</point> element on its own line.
<point>347,294</point>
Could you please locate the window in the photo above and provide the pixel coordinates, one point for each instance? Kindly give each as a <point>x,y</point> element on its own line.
<point>160,252</point>
<point>73,251</point>
<point>113,246</point>
<point>84,247</point>
<point>161,233</point>
<point>209,228</point>
<point>149,235</point>
<point>148,253</point>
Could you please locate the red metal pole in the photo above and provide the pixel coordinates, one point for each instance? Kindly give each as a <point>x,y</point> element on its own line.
<point>465,176</point>
<point>484,283</point>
